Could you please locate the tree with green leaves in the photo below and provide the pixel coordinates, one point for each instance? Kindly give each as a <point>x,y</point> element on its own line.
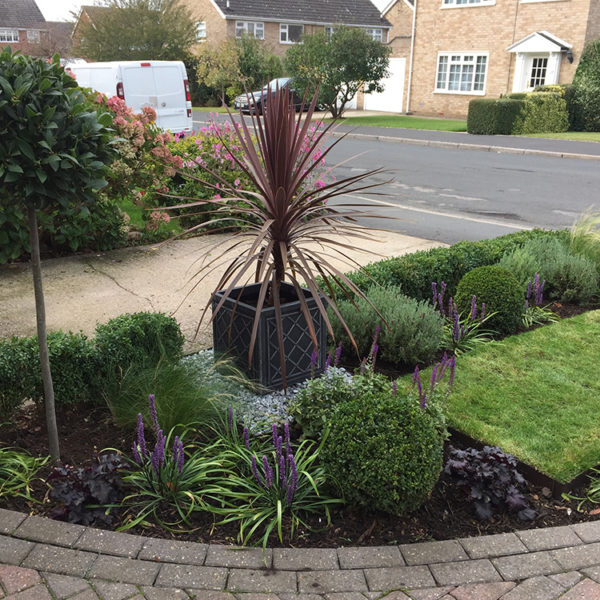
<point>54,151</point>
<point>339,65</point>
<point>138,30</point>
<point>585,96</point>
<point>258,65</point>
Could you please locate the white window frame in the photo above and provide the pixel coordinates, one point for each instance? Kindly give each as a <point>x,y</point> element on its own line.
<point>200,31</point>
<point>284,31</point>
<point>33,36</point>
<point>375,33</point>
<point>253,28</point>
<point>9,35</point>
<point>329,31</point>
<point>458,59</point>
<point>469,3</point>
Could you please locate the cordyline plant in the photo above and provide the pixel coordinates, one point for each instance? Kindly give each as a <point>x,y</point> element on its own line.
<point>288,222</point>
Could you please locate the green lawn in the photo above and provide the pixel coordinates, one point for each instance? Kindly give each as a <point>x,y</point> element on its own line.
<point>577,136</point>
<point>536,395</point>
<point>406,122</point>
<point>210,109</point>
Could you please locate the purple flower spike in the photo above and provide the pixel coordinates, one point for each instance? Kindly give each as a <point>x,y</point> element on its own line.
<point>338,355</point>
<point>230,418</point>
<point>441,304</point>
<point>526,304</point>
<point>136,454</point>
<point>473,308</point>
<point>327,363</point>
<point>293,483</point>
<point>180,458</point>
<point>246,438</point>
<point>141,440</point>
<point>282,477</point>
<point>313,358</point>
<point>286,437</point>
<point>153,414</point>
<point>424,402</point>
<point>416,375</point>
<point>255,470</point>
<point>394,387</point>
<point>433,378</point>
<point>363,366</point>
<point>268,472</point>
<point>456,329</point>
<point>275,434</point>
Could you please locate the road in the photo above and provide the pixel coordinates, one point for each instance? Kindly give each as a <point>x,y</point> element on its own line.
<point>449,195</point>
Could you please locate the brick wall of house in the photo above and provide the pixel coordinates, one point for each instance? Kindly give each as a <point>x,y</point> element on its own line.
<point>27,47</point>
<point>491,29</point>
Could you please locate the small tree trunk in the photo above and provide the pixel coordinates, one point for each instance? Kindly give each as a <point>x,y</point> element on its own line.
<point>40,311</point>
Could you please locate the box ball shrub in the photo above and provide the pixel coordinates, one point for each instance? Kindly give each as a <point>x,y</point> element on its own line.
<point>569,277</point>
<point>500,291</point>
<point>413,333</point>
<point>138,339</point>
<point>385,452</point>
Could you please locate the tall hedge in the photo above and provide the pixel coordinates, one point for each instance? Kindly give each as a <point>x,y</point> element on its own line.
<point>542,112</point>
<point>587,89</point>
<point>493,116</point>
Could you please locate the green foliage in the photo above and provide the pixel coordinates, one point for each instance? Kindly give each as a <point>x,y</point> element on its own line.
<point>137,340</point>
<point>499,290</point>
<point>586,93</point>
<point>569,277</point>
<point>138,30</point>
<point>411,332</point>
<point>493,116</point>
<point>18,470</point>
<point>17,380</point>
<point>542,112</point>
<point>339,66</point>
<point>585,237</point>
<point>388,449</point>
<point>258,64</point>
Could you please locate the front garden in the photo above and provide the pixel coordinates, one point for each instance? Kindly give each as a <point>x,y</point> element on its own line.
<point>479,336</point>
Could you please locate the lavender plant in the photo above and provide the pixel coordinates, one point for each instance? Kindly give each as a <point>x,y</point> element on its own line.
<point>266,489</point>
<point>461,333</point>
<point>165,476</point>
<point>535,313</point>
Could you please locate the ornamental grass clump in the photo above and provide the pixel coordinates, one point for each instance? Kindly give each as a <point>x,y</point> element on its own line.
<point>291,227</point>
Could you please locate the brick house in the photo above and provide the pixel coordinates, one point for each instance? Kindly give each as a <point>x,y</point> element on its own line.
<point>281,23</point>
<point>466,49</point>
<point>22,26</point>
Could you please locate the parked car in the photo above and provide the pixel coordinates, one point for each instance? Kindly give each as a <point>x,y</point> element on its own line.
<point>261,96</point>
<point>163,85</point>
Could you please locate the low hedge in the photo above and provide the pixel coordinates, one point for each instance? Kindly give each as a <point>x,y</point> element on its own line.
<point>542,112</point>
<point>493,116</point>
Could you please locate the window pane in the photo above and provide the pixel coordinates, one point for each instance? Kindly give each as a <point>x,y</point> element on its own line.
<point>466,80</point>
<point>295,33</point>
<point>283,33</point>
<point>259,31</point>
<point>480,73</point>
<point>454,77</point>
<point>442,73</point>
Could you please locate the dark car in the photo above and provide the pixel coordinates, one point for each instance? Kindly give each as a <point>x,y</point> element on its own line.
<point>261,97</point>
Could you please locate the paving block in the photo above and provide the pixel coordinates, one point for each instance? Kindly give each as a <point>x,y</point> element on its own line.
<point>426,553</point>
<point>548,539</point>
<point>300,597</point>
<point>124,570</point>
<point>13,551</point>
<point>236,557</point>
<point>63,586</point>
<point>88,594</point>
<point>523,566</point>
<point>430,593</point>
<point>265,581</point>
<point>573,559</point>
<point>10,520</point>
<point>460,573</point>
<point>113,591</point>
<point>305,559</point>
<point>253,596</point>
<point>38,592</point>
<point>63,561</point>
<point>110,542</point>
<point>535,588</point>
<point>192,576</point>
<point>584,590</point>
<point>488,546</point>
<point>370,557</point>
<point>158,593</point>
<point>483,591</point>
<point>593,572</point>
<point>324,582</point>
<point>345,596</point>
<point>188,553</point>
<point>566,580</point>
<point>588,532</point>
<point>47,531</point>
<point>15,579</point>
<point>392,578</point>
<point>211,595</point>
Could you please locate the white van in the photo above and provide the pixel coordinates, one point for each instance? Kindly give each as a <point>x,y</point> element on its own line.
<point>161,84</point>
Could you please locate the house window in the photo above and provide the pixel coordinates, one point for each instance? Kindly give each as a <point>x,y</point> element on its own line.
<point>200,31</point>
<point>376,34</point>
<point>253,28</point>
<point>9,35</point>
<point>461,73</point>
<point>539,66</point>
<point>290,34</point>
<point>33,36</point>
<point>454,3</point>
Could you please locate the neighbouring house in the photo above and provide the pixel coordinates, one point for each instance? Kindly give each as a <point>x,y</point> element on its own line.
<point>464,49</point>
<point>87,14</point>
<point>281,23</point>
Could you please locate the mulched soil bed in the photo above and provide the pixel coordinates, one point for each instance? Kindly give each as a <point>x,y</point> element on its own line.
<point>446,515</point>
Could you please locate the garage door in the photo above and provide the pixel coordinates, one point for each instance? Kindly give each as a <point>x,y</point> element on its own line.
<point>391,99</point>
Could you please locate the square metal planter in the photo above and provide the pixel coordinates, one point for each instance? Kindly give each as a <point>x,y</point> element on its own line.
<point>266,367</point>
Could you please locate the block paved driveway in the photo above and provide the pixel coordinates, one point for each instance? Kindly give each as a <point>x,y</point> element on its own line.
<point>41,559</point>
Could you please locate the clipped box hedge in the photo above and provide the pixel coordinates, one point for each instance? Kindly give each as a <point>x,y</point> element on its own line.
<point>493,116</point>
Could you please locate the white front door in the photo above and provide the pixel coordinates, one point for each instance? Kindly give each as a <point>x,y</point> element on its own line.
<point>532,70</point>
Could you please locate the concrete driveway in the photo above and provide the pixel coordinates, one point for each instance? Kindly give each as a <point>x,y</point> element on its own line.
<point>84,290</point>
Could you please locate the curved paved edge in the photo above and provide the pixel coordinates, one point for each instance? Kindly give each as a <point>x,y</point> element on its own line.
<point>43,559</point>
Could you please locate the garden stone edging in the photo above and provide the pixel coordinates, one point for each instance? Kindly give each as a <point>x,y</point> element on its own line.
<point>38,554</point>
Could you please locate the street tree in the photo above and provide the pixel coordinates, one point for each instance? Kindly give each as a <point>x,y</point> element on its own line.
<point>339,65</point>
<point>54,151</point>
<point>138,30</point>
